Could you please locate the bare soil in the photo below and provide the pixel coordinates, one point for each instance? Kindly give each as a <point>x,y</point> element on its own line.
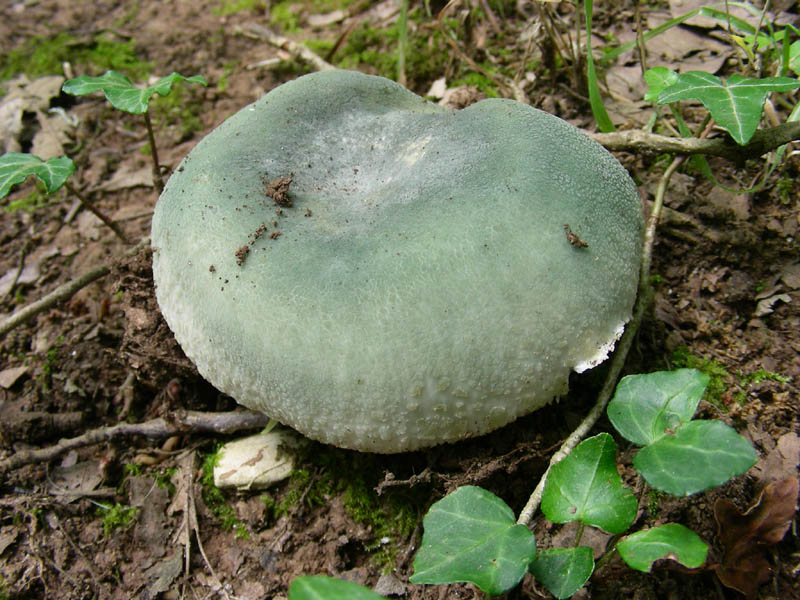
<point>728,273</point>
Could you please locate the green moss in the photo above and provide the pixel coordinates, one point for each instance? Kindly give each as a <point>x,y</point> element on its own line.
<point>231,7</point>
<point>654,498</point>
<point>45,55</point>
<point>36,199</point>
<point>215,500</point>
<point>164,480</point>
<point>283,17</point>
<point>760,375</point>
<point>426,54</point>
<point>391,518</point>
<point>133,470</point>
<point>179,108</point>
<point>326,6</point>
<point>320,47</point>
<point>116,516</point>
<point>719,377</point>
<point>224,80</point>
<point>483,83</point>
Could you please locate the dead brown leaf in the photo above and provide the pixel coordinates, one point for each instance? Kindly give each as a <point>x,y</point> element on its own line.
<point>746,536</point>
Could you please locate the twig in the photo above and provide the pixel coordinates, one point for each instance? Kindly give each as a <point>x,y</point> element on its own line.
<point>180,422</point>
<point>158,182</point>
<point>20,268</point>
<point>299,51</point>
<point>618,361</point>
<point>763,141</point>
<point>59,294</point>
<point>491,16</point>
<point>86,203</point>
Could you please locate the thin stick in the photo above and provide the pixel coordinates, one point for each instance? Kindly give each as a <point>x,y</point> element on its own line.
<point>299,51</point>
<point>402,42</point>
<point>20,268</point>
<point>97,213</point>
<point>763,141</point>
<point>180,422</point>
<point>618,361</point>
<point>158,182</point>
<point>61,293</point>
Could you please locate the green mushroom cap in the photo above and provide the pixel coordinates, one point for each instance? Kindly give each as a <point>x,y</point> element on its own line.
<point>426,274</point>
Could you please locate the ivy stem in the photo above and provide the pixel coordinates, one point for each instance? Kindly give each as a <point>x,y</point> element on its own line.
<point>157,181</point>
<point>618,361</point>
<point>87,204</point>
<point>579,534</point>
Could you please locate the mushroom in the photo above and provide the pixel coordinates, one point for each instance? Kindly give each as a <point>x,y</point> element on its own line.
<point>428,275</point>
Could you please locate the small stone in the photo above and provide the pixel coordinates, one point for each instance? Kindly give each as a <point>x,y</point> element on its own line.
<point>258,461</point>
<point>389,585</point>
<point>8,377</point>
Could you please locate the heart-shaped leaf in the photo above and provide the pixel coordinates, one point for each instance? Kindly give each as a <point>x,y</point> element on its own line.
<point>734,104</point>
<point>641,549</point>
<point>658,79</point>
<point>700,455</point>
<point>563,571</point>
<point>586,487</point>
<point>647,407</point>
<point>320,587</point>
<point>121,93</point>
<point>15,167</point>
<point>471,535</point>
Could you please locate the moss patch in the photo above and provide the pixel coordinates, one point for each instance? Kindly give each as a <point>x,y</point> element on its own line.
<point>327,472</point>
<point>215,500</point>
<point>40,56</point>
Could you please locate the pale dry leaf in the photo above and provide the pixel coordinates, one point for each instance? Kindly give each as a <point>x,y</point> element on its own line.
<point>781,462</point>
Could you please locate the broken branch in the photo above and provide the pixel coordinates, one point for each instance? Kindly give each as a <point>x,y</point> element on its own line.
<point>763,141</point>
<point>180,422</point>
<point>61,293</point>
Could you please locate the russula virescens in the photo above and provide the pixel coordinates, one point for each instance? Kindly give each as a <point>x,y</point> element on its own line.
<point>382,273</point>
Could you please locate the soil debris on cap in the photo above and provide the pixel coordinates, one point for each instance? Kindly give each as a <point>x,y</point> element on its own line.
<point>278,190</point>
<point>573,238</point>
<point>241,254</point>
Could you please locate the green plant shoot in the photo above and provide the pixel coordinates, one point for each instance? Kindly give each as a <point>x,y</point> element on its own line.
<point>125,96</point>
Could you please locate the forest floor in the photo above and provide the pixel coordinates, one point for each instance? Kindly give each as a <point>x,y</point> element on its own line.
<point>113,520</point>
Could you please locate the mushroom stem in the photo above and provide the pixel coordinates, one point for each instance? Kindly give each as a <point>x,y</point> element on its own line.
<point>643,300</point>
<point>157,181</point>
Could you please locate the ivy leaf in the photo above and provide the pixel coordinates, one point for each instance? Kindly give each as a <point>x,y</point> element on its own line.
<point>471,535</point>
<point>121,93</point>
<point>647,407</point>
<point>700,455</point>
<point>319,587</point>
<point>794,57</point>
<point>658,79</point>
<point>586,487</point>
<point>15,167</point>
<point>641,549</point>
<point>735,104</point>
<point>563,571</point>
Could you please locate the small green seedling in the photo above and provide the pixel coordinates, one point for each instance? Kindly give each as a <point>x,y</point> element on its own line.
<point>125,96</point>
<point>317,587</point>
<point>117,516</point>
<point>16,167</point>
<point>471,535</point>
